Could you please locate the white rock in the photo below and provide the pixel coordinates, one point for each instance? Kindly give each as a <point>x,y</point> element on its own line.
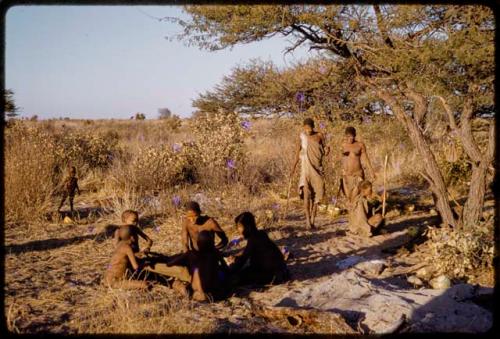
<point>441,282</point>
<point>415,280</point>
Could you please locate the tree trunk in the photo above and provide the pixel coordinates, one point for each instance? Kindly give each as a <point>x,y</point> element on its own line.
<point>433,176</point>
<point>473,207</point>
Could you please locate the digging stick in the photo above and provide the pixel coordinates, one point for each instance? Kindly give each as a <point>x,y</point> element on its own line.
<point>283,216</point>
<point>383,197</point>
<point>338,193</point>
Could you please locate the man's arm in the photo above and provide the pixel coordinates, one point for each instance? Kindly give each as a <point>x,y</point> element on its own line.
<point>145,237</point>
<point>77,187</point>
<point>364,154</point>
<point>220,233</point>
<point>185,236</point>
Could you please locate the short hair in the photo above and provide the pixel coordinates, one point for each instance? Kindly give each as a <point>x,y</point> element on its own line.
<point>130,217</point>
<point>364,185</point>
<point>71,169</point>
<point>247,220</point>
<point>350,131</point>
<point>309,122</point>
<point>205,241</point>
<point>193,206</point>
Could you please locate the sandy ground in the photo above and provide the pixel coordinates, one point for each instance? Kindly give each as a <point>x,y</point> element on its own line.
<point>52,282</point>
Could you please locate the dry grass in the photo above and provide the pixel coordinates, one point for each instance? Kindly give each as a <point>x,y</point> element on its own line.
<point>53,270</point>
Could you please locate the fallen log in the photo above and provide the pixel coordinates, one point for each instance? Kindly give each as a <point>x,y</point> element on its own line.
<point>305,318</point>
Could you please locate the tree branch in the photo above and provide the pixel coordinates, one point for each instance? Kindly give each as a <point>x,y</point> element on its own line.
<point>381,26</point>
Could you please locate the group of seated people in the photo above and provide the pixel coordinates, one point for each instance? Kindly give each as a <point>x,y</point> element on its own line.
<point>202,271</point>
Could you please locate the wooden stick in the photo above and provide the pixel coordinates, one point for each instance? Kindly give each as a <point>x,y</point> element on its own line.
<point>287,198</point>
<point>383,197</point>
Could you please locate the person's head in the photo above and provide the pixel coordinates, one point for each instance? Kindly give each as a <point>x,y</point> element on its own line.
<point>72,171</point>
<point>130,217</point>
<point>350,133</point>
<point>365,187</point>
<point>308,125</point>
<point>193,211</point>
<point>245,224</point>
<point>205,241</point>
<point>125,233</point>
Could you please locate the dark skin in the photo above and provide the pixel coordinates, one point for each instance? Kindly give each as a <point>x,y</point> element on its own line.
<point>70,187</point>
<point>310,207</point>
<point>135,233</point>
<point>122,258</point>
<point>352,152</point>
<point>264,256</point>
<point>204,267</point>
<point>193,224</point>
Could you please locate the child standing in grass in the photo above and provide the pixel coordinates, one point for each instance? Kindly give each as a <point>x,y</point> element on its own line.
<point>130,220</point>
<point>70,188</point>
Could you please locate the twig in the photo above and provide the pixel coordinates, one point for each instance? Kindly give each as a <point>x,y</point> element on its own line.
<point>384,196</point>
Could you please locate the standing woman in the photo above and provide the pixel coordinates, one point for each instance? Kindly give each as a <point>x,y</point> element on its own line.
<point>352,171</point>
<point>310,150</point>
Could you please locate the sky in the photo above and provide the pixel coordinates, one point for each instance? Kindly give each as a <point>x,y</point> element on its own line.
<point>103,62</point>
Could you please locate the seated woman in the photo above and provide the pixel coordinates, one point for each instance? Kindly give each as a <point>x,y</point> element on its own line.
<point>364,218</point>
<point>266,264</point>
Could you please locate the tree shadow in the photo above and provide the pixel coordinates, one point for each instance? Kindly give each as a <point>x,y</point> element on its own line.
<point>302,270</point>
<point>409,221</point>
<point>458,309</point>
<point>85,212</point>
<point>53,243</point>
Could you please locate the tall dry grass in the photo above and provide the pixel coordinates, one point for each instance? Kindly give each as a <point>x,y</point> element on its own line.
<point>218,153</point>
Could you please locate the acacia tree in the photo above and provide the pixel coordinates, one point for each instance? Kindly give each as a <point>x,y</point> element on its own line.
<point>259,89</point>
<point>407,56</point>
<point>9,107</point>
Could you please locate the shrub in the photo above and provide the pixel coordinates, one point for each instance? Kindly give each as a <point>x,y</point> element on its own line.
<point>461,254</point>
<point>30,176</point>
<point>159,167</point>
<point>219,141</point>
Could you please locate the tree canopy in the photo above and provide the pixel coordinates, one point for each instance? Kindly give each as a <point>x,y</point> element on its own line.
<point>407,56</point>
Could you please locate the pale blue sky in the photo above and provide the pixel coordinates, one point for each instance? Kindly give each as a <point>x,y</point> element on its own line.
<point>99,62</point>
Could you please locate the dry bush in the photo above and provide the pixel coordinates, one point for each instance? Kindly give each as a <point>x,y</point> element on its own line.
<point>461,254</point>
<point>159,167</point>
<point>219,143</point>
<point>30,179</point>
<point>87,150</point>
<point>35,163</point>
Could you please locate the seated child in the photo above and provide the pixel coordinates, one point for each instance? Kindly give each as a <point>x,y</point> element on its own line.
<point>266,264</point>
<point>130,220</point>
<point>207,270</point>
<point>363,217</point>
<point>70,188</point>
<point>118,274</point>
